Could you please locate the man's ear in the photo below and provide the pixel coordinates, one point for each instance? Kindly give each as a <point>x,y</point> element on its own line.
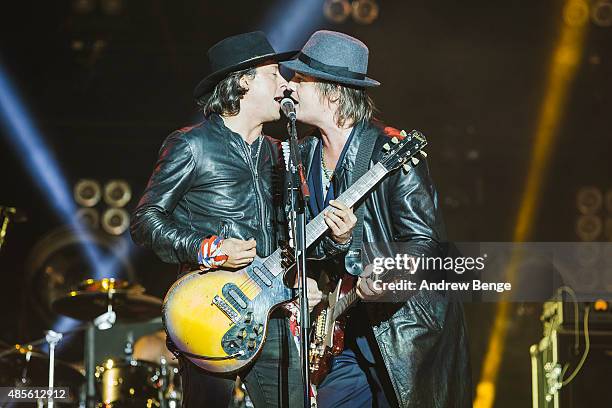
<point>244,82</point>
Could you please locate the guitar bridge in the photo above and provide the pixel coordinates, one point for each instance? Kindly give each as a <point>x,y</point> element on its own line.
<point>226,309</point>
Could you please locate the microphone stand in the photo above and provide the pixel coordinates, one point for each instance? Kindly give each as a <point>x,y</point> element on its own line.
<point>298,196</point>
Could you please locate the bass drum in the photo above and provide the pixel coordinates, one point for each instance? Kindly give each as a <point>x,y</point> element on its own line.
<point>128,384</point>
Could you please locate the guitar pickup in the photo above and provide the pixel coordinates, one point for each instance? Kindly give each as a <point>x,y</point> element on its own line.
<point>226,309</point>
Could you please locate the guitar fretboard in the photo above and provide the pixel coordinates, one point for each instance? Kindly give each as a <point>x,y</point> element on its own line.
<point>344,303</point>
<point>317,226</point>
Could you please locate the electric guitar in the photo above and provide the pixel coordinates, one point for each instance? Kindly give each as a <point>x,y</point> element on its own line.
<point>219,319</point>
<point>328,325</point>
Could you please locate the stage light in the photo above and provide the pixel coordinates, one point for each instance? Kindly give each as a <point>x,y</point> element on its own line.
<point>87,192</point>
<point>112,7</point>
<point>600,305</point>
<point>589,227</point>
<point>115,221</point>
<point>117,193</point>
<point>365,11</point>
<point>44,170</point>
<point>563,65</point>
<point>290,22</point>
<point>601,13</point>
<point>336,11</point>
<point>90,217</point>
<point>576,13</point>
<point>589,200</point>
<point>83,6</point>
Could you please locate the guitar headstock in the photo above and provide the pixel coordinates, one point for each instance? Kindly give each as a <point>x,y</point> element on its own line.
<point>404,152</point>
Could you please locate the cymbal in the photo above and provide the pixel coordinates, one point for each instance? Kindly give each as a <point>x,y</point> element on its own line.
<point>93,297</point>
<point>27,366</point>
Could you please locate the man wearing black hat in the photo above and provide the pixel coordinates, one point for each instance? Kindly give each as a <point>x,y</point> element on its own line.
<point>210,203</point>
<point>411,353</point>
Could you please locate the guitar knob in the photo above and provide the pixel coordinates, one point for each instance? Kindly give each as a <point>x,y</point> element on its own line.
<point>242,334</point>
<point>248,317</point>
<point>252,336</point>
<point>251,344</point>
<point>258,329</point>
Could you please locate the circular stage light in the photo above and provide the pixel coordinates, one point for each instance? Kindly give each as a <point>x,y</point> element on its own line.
<point>87,192</point>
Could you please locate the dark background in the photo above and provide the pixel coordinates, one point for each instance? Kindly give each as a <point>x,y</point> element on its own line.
<point>471,75</point>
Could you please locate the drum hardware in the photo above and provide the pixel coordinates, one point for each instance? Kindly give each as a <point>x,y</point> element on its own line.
<point>9,214</point>
<point>128,383</point>
<point>171,385</point>
<point>25,366</point>
<point>101,303</point>
<point>108,299</point>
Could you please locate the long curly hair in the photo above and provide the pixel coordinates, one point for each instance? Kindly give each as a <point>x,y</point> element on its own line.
<point>225,98</point>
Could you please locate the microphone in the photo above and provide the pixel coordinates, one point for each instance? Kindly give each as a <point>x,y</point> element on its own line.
<point>288,108</point>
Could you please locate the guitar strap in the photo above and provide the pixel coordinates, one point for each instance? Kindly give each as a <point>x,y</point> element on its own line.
<point>353,261</point>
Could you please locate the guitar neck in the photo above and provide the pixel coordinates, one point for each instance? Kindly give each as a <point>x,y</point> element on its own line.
<point>348,300</point>
<point>317,226</point>
<point>344,303</point>
<point>352,195</point>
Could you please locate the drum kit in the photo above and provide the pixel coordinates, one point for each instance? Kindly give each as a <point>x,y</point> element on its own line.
<point>116,382</point>
<point>124,381</point>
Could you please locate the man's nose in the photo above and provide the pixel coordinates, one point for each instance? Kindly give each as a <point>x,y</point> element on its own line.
<point>292,86</point>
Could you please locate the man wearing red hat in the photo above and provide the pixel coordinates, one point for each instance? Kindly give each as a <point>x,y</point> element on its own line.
<point>210,203</point>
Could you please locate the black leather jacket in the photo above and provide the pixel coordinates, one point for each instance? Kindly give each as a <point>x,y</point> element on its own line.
<point>422,341</point>
<point>205,183</point>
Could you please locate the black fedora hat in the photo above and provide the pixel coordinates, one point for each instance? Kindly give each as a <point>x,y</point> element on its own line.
<point>235,53</point>
<point>334,56</point>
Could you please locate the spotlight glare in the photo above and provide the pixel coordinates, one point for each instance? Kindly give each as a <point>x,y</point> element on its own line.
<point>87,192</point>
<point>589,200</point>
<point>365,11</point>
<point>576,13</point>
<point>117,193</point>
<point>112,7</point>
<point>89,217</point>
<point>589,227</point>
<point>83,6</point>
<point>115,221</point>
<point>601,13</point>
<point>336,11</point>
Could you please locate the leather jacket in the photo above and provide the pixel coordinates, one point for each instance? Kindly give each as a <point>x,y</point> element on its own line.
<point>422,341</point>
<point>208,181</point>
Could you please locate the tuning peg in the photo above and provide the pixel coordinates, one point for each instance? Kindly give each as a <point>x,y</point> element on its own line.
<point>386,147</point>
<point>406,167</point>
<point>415,161</point>
<point>423,153</point>
<point>403,133</point>
<point>394,140</point>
